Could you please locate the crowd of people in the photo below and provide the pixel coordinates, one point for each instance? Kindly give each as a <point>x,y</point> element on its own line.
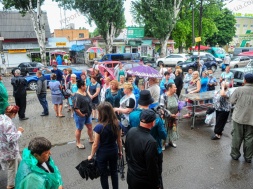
<point>145,112</point>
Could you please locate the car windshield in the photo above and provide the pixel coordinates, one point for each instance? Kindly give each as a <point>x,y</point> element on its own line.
<point>40,65</point>
<point>236,58</point>
<point>191,59</point>
<point>219,51</point>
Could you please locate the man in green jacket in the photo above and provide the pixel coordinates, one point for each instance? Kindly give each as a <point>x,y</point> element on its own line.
<point>3,97</point>
<point>37,168</point>
<point>243,120</point>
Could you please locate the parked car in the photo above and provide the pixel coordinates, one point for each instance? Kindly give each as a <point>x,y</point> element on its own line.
<point>111,64</point>
<point>32,80</point>
<point>208,55</point>
<point>209,62</point>
<point>250,64</point>
<point>239,61</point>
<point>172,60</point>
<point>28,68</point>
<point>148,61</point>
<point>239,75</point>
<point>121,57</point>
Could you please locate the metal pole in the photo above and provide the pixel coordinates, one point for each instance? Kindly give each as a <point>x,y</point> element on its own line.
<point>2,54</point>
<point>200,22</point>
<point>193,34</point>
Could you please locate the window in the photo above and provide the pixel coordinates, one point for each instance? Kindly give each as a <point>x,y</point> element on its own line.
<point>117,57</point>
<point>114,49</point>
<point>81,35</point>
<point>238,75</point>
<point>144,51</point>
<point>106,57</point>
<point>245,25</point>
<point>251,26</point>
<point>127,57</point>
<point>237,25</point>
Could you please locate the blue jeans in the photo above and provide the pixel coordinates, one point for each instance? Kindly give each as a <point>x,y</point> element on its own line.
<point>103,158</point>
<point>43,101</point>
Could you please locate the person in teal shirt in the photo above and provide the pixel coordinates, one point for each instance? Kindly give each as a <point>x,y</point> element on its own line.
<point>166,80</point>
<point>3,97</point>
<point>204,82</point>
<point>158,131</point>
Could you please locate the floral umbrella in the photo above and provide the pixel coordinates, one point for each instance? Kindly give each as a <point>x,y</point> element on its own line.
<point>145,71</point>
<point>102,70</point>
<point>95,50</point>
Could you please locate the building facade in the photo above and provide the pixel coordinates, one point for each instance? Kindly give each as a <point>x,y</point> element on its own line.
<point>72,34</point>
<point>19,38</point>
<point>244,30</point>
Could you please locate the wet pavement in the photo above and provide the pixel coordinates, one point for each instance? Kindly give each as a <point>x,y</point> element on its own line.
<point>197,163</point>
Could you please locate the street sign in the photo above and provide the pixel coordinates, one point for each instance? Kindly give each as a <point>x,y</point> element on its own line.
<point>197,39</point>
<point>61,44</point>
<point>135,32</point>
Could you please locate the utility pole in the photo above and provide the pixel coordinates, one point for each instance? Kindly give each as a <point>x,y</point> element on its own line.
<point>2,55</point>
<point>193,34</point>
<point>200,22</point>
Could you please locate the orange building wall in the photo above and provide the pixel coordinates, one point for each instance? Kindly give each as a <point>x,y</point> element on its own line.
<point>71,34</point>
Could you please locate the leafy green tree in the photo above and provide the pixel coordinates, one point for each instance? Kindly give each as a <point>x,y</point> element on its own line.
<point>95,33</point>
<point>225,24</point>
<point>159,18</point>
<point>33,8</point>
<point>108,15</point>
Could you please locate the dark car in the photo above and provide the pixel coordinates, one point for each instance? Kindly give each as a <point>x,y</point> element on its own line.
<point>149,61</point>
<point>32,80</point>
<point>239,75</point>
<point>209,62</point>
<point>28,68</point>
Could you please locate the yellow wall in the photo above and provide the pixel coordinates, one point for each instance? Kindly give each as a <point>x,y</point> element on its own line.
<point>71,35</point>
<point>243,23</point>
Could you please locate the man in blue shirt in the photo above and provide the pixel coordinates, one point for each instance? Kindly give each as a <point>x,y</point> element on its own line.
<point>58,73</point>
<point>158,131</point>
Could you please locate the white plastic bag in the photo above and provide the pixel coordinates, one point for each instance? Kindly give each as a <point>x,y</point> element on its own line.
<point>210,119</point>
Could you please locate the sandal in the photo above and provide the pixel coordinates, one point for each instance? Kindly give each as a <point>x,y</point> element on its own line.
<point>80,146</point>
<point>10,187</point>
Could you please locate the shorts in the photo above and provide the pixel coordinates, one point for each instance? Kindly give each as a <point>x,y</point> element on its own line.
<point>94,106</point>
<point>81,121</point>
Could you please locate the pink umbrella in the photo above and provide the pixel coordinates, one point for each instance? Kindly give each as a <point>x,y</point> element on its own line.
<point>102,70</point>
<point>95,50</point>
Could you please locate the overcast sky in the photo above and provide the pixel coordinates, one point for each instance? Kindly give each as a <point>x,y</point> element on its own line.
<point>56,16</point>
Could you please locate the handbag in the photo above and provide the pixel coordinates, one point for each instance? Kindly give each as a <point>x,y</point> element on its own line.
<point>65,93</point>
<point>88,169</point>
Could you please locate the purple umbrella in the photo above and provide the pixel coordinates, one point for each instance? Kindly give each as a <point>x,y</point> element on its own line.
<point>144,71</point>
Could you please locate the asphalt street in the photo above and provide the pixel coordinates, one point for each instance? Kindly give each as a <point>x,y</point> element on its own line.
<point>196,163</point>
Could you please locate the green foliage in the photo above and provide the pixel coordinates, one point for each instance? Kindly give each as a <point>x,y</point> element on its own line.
<point>95,33</point>
<point>157,16</point>
<point>181,31</point>
<point>106,14</point>
<point>21,5</point>
<point>225,23</point>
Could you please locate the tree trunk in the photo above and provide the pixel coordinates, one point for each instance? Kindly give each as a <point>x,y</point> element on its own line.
<point>109,38</point>
<point>39,28</point>
<point>164,43</point>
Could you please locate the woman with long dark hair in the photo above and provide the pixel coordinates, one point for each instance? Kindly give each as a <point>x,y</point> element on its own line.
<point>107,144</point>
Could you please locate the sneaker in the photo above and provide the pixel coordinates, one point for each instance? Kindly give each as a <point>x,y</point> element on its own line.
<point>23,118</point>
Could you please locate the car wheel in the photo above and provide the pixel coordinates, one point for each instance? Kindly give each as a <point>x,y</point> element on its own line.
<point>32,85</point>
<point>213,68</point>
<point>236,66</point>
<point>179,62</point>
<point>159,63</point>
